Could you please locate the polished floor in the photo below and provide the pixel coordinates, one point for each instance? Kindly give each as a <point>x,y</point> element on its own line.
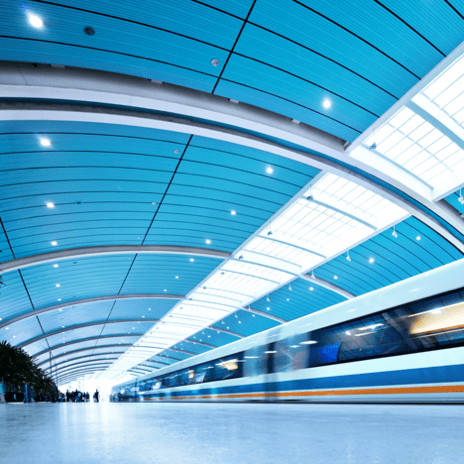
<point>88,433</point>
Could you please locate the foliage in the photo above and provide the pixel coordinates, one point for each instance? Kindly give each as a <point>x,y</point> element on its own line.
<point>18,368</point>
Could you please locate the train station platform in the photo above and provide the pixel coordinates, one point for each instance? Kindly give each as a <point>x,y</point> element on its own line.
<point>190,433</point>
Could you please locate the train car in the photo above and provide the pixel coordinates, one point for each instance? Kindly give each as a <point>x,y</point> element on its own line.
<point>403,343</point>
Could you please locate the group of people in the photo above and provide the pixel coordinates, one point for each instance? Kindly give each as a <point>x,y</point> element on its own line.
<point>81,397</point>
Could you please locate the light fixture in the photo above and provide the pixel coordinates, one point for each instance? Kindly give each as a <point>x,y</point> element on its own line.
<point>54,243</point>
<point>348,257</point>
<point>268,299</point>
<point>268,309</point>
<point>371,260</point>
<point>208,241</point>
<point>55,265</point>
<point>290,287</point>
<point>35,21</point>
<point>45,142</point>
<point>59,299</point>
<point>177,277</point>
<point>215,62</point>
<point>348,332</point>
<point>311,288</point>
<point>164,290</point>
<point>50,204</point>
<point>326,103</point>
<point>418,237</point>
<point>312,275</point>
<point>269,170</point>
<point>394,233</point>
<point>460,199</point>
<point>57,285</point>
<point>176,151</point>
<point>233,212</point>
<point>192,260</point>
<point>335,277</point>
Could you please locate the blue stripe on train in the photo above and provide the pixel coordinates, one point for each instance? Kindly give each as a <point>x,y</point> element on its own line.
<point>442,374</point>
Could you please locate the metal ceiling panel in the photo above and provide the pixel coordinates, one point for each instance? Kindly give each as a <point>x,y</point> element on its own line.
<point>301,300</point>
<point>13,295</point>
<point>416,249</point>
<point>21,331</point>
<point>141,309</point>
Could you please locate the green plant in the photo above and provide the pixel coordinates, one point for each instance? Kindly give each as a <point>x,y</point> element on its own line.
<point>18,368</point>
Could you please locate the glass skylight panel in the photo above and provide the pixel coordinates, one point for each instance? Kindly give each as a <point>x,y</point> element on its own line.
<point>418,146</point>
<point>355,200</point>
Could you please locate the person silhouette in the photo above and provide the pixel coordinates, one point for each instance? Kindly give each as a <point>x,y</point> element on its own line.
<point>96,396</point>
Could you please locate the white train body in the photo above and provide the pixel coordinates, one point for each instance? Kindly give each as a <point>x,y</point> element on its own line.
<point>429,370</point>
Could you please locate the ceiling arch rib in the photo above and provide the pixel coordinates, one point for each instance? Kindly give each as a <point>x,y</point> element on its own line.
<point>72,353</point>
<point>54,367</point>
<point>289,132</point>
<point>70,304</point>
<point>54,256</point>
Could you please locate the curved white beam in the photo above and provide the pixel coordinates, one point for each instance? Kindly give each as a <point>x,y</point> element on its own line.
<point>328,285</point>
<point>79,357</point>
<point>73,253</point>
<point>27,82</point>
<point>139,296</point>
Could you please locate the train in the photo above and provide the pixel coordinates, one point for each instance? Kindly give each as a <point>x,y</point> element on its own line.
<point>400,344</point>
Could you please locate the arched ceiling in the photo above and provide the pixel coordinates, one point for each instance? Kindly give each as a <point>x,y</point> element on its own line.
<point>176,176</point>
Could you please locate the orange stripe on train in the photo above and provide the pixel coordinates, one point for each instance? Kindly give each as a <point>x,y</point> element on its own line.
<point>366,391</point>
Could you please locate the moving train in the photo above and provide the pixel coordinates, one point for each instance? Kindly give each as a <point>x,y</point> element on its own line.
<point>403,343</point>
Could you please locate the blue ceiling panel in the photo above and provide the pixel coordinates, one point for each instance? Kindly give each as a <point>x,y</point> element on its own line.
<point>417,249</point>
<point>300,301</point>
<point>126,328</point>
<point>176,354</point>
<point>245,324</point>
<point>182,17</point>
<point>75,315</point>
<point>238,8</point>
<point>312,68</point>
<point>61,349</point>
<point>116,45</point>
<point>141,309</point>
<point>294,110</point>
<point>213,337</point>
<point>330,38</point>
<point>192,347</point>
<point>156,273</point>
<point>5,250</point>
<point>116,340</point>
<point>36,347</point>
<point>79,278</point>
<point>75,334</point>
<point>345,34</point>
<point>13,296</point>
<point>215,178</point>
<point>60,363</point>
<point>21,331</point>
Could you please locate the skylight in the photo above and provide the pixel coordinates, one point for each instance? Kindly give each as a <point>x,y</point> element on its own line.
<point>321,222</point>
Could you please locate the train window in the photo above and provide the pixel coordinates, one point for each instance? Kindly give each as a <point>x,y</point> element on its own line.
<point>291,353</point>
<point>227,368</point>
<point>256,360</point>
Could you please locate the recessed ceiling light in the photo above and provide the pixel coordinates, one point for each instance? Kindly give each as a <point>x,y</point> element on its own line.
<point>57,285</point>
<point>176,151</point>
<point>54,243</point>
<point>59,299</point>
<point>311,288</point>
<point>45,142</point>
<point>177,277</point>
<point>55,265</point>
<point>153,203</point>
<point>7,328</point>
<point>269,170</point>
<point>164,290</point>
<point>326,103</point>
<point>215,62</point>
<point>335,277</point>
<point>50,204</point>
<point>233,213</point>
<point>371,260</point>
<point>418,237</point>
<point>35,21</point>
<point>348,332</point>
<point>208,241</point>
<point>192,260</point>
